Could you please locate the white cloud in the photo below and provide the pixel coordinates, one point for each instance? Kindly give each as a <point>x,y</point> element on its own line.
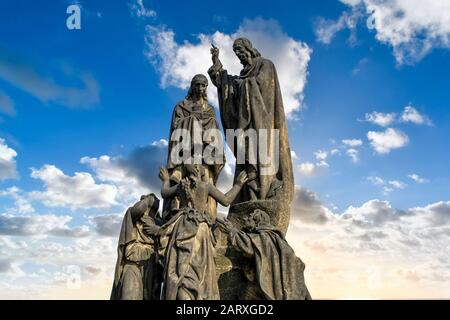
<point>321,156</point>
<point>410,114</point>
<point>325,29</point>
<point>413,28</point>
<point>22,203</point>
<point>397,184</point>
<point>352,142</point>
<point>178,63</point>
<point>376,180</point>
<point>379,118</point>
<point>161,143</point>
<point>417,178</point>
<point>395,244</point>
<point>77,191</point>
<point>387,186</point>
<point>385,141</point>
<point>7,161</point>
<point>353,154</point>
<point>139,10</point>
<point>306,169</point>
<point>32,225</point>
<point>334,151</point>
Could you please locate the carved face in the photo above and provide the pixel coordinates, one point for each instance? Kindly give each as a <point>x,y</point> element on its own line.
<point>193,172</point>
<point>249,222</point>
<point>243,55</point>
<point>199,88</point>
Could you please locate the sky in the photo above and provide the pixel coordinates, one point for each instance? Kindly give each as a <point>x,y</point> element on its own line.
<point>85,116</point>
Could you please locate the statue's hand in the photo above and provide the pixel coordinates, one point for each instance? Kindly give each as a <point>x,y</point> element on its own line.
<point>214,53</point>
<point>163,174</point>
<point>242,178</point>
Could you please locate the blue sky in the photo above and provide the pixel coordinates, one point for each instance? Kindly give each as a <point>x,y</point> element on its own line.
<point>109,89</point>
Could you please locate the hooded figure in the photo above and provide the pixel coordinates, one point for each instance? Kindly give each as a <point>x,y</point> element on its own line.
<point>137,276</point>
<point>279,272</point>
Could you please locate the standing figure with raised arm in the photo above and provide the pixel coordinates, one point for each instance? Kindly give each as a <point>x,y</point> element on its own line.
<point>252,102</point>
<point>186,241</point>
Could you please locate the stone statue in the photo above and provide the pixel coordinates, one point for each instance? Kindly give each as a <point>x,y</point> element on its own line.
<point>194,109</point>
<point>278,271</point>
<point>137,274</point>
<point>190,254</point>
<point>253,100</point>
<point>186,241</point>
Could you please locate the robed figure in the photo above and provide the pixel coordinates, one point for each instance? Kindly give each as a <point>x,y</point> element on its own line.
<point>252,100</point>
<point>138,275</point>
<point>278,273</point>
<point>193,117</point>
<point>186,242</point>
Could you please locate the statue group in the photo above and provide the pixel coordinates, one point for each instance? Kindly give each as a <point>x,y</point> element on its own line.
<point>190,252</point>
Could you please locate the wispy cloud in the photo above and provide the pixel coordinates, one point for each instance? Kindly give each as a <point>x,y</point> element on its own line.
<point>413,28</point>
<point>46,87</point>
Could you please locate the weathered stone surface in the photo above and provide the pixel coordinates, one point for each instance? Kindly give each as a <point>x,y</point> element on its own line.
<point>278,212</point>
<point>245,256</point>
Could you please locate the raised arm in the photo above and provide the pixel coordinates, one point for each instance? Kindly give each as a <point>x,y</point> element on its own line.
<point>166,190</point>
<point>226,199</point>
<point>216,68</point>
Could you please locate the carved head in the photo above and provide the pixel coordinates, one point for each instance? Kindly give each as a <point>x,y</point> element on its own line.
<point>193,171</point>
<point>244,50</point>
<point>256,219</point>
<point>150,201</point>
<point>199,84</point>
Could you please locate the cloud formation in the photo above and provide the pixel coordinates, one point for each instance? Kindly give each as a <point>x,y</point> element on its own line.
<point>383,142</point>
<point>178,63</point>
<point>8,169</point>
<point>31,225</point>
<point>79,191</point>
<point>372,250</point>
<point>413,28</point>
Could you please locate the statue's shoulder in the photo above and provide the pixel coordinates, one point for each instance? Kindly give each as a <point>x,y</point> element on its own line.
<point>266,62</point>
<point>183,105</point>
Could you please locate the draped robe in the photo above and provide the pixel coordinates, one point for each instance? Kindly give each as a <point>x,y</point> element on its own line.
<point>279,272</point>
<point>184,115</point>
<point>253,101</point>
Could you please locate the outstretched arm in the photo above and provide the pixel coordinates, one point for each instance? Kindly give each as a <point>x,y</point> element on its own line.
<point>216,68</point>
<point>226,199</point>
<point>166,190</point>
